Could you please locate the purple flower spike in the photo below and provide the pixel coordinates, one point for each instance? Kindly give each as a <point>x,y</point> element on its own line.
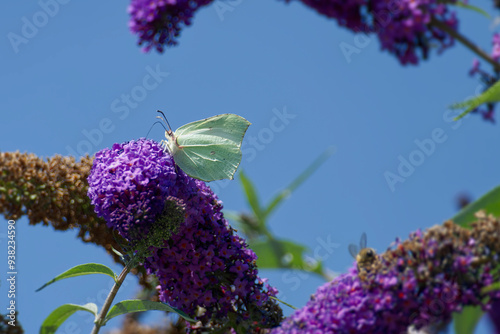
<point>129,183</point>
<point>204,268</point>
<point>403,27</point>
<point>419,283</point>
<point>158,23</point>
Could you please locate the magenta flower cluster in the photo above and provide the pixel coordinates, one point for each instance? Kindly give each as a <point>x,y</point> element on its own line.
<point>158,23</point>
<point>418,288</point>
<point>403,26</point>
<point>204,269</point>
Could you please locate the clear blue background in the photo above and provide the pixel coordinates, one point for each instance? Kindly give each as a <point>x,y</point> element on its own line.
<point>262,55</point>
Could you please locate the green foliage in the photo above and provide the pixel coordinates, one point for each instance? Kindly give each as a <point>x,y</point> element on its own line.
<point>136,305</point>
<point>493,287</point>
<point>282,195</point>
<point>82,269</point>
<point>293,256</point>
<point>63,312</point>
<point>491,95</point>
<point>466,321</point>
<point>489,202</point>
<point>272,252</point>
<point>252,198</point>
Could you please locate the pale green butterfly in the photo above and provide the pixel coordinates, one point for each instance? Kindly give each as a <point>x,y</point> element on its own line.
<point>208,149</point>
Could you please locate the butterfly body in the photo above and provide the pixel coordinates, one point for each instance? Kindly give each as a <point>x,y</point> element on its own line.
<point>209,149</point>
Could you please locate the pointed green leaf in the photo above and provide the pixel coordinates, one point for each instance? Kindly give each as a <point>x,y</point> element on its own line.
<point>251,195</point>
<point>489,202</point>
<point>490,288</point>
<point>63,312</point>
<point>267,257</point>
<point>233,215</point>
<point>473,8</point>
<point>465,321</point>
<point>293,255</point>
<point>298,181</point>
<point>245,223</point>
<point>136,305</point>
<point>82,269</point>
<point>491,95</point>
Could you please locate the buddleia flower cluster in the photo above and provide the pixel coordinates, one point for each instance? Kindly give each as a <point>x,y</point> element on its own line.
<point>404,27</point>
<point>158,23</point>
<point>419,282</point>
<point>203,267</point>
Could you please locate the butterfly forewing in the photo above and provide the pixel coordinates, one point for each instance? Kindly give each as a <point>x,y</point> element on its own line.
<point>228,126</point>
<point>210,149</point>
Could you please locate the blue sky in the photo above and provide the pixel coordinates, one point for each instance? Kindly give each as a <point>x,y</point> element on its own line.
<point>66,89</point>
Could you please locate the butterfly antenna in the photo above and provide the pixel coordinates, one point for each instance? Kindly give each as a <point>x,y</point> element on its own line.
<point>164,119</point>
<point>151,128</point>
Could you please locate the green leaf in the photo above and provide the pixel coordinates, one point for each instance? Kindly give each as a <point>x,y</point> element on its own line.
<point>489,202</point>
<point>245,223</point>
<point>466,321</point>
<point>251,195</point>
<point>491,95</point>
<point>473,8</point>
<point>233,215</point>
<point>63,312</point>
<point>491,288</point>
<point>136,305</point>
<point>298,181</point>
<point>268,256</point>
<point>82,269</point>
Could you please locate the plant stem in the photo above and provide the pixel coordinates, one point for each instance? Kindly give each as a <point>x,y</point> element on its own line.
<point>462,39</point>
<point>109,299</point>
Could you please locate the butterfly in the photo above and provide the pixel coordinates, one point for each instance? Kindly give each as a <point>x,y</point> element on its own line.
<point>208,149</point>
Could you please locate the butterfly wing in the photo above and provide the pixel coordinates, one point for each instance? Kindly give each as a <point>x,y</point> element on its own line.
<point>210,149</point>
